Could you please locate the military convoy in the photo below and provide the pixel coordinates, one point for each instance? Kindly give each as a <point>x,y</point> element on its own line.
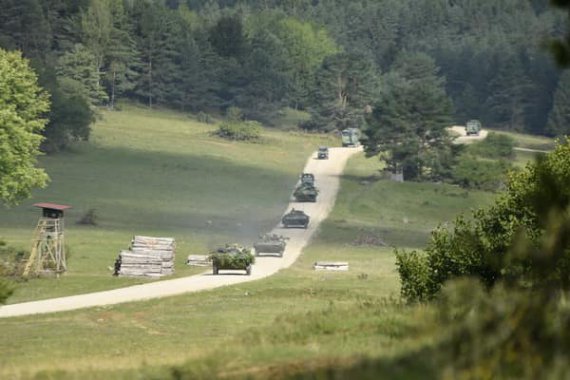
<point>232,256</point>
<point>270,244</point>
<point>295,218</point>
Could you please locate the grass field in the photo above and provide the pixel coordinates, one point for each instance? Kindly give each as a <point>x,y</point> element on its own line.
<point>161,174</point>
<point>295,320</point>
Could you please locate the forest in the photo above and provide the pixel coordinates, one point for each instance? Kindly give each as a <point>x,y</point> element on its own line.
<point>476,58</point>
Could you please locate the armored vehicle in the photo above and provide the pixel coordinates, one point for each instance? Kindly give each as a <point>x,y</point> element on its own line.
<point>350,137</point>
<point>308,178</point>
<point>232,256</point>
<point>306,193</point>
<point>271,244</point>
<point>323,153</point>
<point>472,127</point>
<point>295,218</point>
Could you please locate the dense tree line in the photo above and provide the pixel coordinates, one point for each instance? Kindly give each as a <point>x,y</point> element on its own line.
<point>329,57</point>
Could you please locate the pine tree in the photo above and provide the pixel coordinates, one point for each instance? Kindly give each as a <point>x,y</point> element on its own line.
<point>559,118</point>
<point>345,85</point>
<point>407,127</point>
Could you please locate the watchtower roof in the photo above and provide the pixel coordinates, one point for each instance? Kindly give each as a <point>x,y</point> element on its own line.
<point>52,206</point>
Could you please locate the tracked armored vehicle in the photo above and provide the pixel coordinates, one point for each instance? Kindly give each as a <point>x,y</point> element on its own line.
<point>232,256</point>
<point>306,193</point>
<point>295,218</point>
<point>270,245</point>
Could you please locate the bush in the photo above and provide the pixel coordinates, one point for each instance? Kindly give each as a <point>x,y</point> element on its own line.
<point>482,246</point>
<point>473,173</point>
<point>89,218</point>
<point>240,130</point>
<point>413,270</point>
<point>494,146</point>
<point>203,117</point>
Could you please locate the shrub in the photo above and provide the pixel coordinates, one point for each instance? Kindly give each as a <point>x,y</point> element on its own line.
<point>473,173</point>
<point>239,130</point>
<point>413,270</point>
<point>494,146</point>
<point>203,117</point>
<point>89,218</point>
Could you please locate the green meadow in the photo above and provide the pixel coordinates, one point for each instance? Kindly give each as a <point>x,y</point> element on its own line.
<point>157,173</point>
<point>162,173</point>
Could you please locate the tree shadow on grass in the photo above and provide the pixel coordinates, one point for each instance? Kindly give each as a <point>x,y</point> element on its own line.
<point>137,190</point>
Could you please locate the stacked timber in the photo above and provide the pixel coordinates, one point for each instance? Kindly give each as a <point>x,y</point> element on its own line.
<point>199,261</point>
<point>331,265</point>
<point>148,257</point>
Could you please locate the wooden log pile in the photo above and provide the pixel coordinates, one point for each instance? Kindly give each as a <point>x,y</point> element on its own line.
<point>148,257</point>
<point>199,261</point>
<point>331,265</point>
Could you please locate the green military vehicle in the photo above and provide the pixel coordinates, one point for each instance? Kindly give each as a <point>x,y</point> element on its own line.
<point>350,137</point>
<point>308,178</point>
<point>473,127</point>
<point>306,192</point>
<point>295,218</point>
<point>232,256</point>
<point>323,153</point>
<point>270,244</point>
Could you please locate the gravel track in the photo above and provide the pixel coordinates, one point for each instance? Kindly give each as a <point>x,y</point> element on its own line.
<point>327,178</point>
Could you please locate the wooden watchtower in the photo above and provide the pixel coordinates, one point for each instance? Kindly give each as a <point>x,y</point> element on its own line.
<point>48,248</point>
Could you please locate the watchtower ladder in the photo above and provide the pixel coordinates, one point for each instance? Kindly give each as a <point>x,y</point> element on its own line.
<point>48,249</point>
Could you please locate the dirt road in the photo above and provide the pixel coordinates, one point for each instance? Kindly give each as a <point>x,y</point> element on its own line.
<point>327,177</point>
<point>462,137</point>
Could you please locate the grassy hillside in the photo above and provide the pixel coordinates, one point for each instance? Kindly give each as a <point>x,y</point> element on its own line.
<point>295,320</point>
<point>163,174</point>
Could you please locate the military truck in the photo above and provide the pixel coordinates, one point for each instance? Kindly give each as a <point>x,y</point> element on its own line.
<point>232,256</point>
<point>323,153</point>
<point>473,127</point>
<point>350,137</point>
<point>270,244</point>
<point>295,218</point>
<point>306,192</point>
<point>308,178</point>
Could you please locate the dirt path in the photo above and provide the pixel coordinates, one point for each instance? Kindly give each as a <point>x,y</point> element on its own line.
<point>462,137</point>
<point>327,177</point>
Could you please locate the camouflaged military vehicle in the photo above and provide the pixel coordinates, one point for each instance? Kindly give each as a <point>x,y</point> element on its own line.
<point>473,127</point>
<point>306,193</point>
<point>270,244</point>
<point>323,153</point>
<point>308,178</point>
<point>295,218</point>
<point>350,137</point>
<point>232,256</point>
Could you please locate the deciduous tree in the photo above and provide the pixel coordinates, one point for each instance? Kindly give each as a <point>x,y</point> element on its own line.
<point>23,105</point>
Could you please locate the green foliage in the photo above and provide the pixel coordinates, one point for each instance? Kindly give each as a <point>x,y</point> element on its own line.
<point>495,145</point>
<point>480,247</point>
<point>559,117</point>
<point>22,106</point>
<point>5,291</point>
<point>345,85</point>
<point>247,130</point>
<point>413,270</point>
<point>407,126</point>
<point>472,172</point>
<point>89,218</point>
<point>232,257</point>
